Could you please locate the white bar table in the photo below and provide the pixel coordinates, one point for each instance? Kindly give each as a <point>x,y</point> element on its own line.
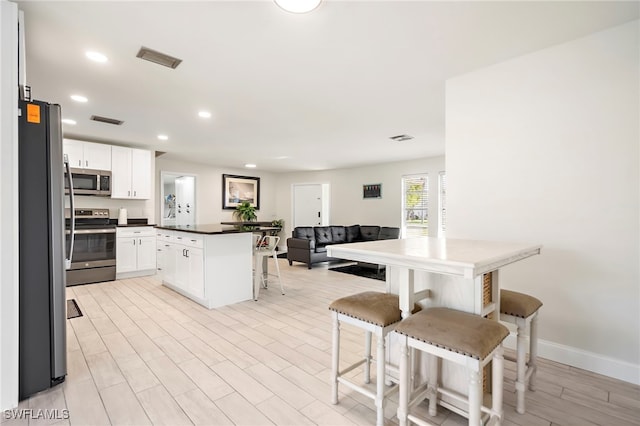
<point>454,273</point>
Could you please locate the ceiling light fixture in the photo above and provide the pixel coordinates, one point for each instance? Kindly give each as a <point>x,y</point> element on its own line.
<point>298,6</point>
<point>250,166</point>
<point>204,114</point>
<point>69,121</point>
<point>163,137</point>
<point>96,57</point>
<point>79,98</point>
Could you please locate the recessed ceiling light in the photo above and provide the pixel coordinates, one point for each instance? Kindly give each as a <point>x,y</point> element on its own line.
<point>298,6</point>
<point>204,114</point>
<point>163,137</point>
<point>96,56</point>
<point>250,166</point>
<point>79,98</point>
<point>69,121</point>
<point>281,157</point>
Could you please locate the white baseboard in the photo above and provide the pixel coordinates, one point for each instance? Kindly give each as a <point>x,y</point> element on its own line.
<point>586,360</point>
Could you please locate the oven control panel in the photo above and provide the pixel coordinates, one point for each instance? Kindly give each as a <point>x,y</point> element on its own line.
<point>88,213</point>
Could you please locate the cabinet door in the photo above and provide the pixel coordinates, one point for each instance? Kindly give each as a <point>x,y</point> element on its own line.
<point>120,172</point>
<point>182,268</point>
<point>97,156</point>
<point>74,151</point>
<point>140,174</point>
<point>160,259</point>
<point>196,272</point>
<point>169,262</point>
<point>146,253</point>
<point>126,254</point>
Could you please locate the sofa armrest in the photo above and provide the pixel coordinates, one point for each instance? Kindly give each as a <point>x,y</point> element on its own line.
<point>301,243</point>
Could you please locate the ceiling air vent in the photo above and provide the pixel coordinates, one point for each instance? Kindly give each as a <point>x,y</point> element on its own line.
<point>158,57</point>
<point>401,138</point>
<point>106,120</point>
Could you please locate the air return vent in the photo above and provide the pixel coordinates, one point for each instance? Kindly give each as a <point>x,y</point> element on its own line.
<point>158,57</point>
<point>106,120</point>
<point>401,138</point>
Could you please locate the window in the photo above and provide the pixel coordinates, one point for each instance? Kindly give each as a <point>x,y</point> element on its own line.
<point>415,203</point>
<point>442,203</point>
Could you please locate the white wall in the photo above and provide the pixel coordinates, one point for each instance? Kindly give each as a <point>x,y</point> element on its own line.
<point>209,190</point>
<point>347,207</point>
<point>8,205</point>
<point>545,149</point>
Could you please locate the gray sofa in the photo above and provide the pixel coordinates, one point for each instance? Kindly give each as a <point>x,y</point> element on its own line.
<point>308,244</point>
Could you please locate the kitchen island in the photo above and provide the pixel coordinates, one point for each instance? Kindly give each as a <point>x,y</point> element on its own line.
<point>210,264</point>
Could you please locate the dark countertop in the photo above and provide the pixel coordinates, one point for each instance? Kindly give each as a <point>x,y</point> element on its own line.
<point>135,224</point>
<point>209,229</point>
<point>132,222</point>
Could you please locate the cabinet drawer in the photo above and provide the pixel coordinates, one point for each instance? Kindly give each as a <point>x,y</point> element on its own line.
<point>136,231</point>
<point>189,240</point>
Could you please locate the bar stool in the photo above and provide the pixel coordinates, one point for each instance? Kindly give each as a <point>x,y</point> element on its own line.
<point>265,248</point>
<point>522,310</point>
<point>373,312</point>
<point>460,337</point>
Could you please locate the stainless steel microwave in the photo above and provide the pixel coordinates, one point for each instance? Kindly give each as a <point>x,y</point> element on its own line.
<point>89,182</point>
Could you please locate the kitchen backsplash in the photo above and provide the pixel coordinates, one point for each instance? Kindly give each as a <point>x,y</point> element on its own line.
<point>136,209</point>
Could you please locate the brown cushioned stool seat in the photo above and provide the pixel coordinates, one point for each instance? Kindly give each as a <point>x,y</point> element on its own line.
<point>381,309</point>
<point>375,313</point>
<point>456,331</point>
<point>522,310</point>
<point>518,304</point>
<point>460,337</point>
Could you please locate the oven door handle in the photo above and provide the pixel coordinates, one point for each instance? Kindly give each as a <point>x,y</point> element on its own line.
<point>91,231</point>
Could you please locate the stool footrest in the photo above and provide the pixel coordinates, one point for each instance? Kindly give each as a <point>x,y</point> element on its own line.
<point>352,367</point>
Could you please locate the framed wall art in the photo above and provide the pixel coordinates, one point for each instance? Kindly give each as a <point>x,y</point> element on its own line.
<point>373,190</point>
<point>238,189</point>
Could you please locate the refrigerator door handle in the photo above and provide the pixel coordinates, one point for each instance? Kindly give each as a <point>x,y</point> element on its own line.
<point>67,261</point>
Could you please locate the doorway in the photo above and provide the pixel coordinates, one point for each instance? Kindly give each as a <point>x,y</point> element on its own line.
<point>310,204</point>
<point>177,199</point>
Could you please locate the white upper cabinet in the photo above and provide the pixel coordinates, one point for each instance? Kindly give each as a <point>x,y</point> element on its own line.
<point>87,155</point>
<point>131,173</point>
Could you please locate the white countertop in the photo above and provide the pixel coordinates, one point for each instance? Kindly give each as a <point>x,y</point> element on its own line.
<point>467,258</point>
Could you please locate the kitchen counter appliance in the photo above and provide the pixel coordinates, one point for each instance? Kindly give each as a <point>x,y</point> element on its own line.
<point>90,182</point>
<point>94,250</point>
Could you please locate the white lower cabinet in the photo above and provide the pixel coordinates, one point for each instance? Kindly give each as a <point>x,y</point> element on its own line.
<point>213,270</point>
<point>135,251</point>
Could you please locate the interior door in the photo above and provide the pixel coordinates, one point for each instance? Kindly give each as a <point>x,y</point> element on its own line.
<point>307,205</point>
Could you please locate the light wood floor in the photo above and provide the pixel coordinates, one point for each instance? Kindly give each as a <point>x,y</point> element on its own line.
<point>142,354</point>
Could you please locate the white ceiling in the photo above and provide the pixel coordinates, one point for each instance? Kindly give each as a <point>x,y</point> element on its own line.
<point>287,92</point>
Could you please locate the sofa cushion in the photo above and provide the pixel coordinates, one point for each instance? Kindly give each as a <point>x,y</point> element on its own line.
<point>353,233</point>
<point>305,232</point>
<point>388,233</point>
<point>323,235</point>
<point>321,249</point>
<point>338,235</point>
<point>369,233</point>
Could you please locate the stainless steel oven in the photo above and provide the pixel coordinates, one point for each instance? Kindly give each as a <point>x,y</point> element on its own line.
<point>94,250</point>
<point>89,182</point>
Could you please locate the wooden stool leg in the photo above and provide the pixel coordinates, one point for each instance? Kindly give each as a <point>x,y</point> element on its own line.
<point>381,366</point>
<point>521,365</point>
<point>403,398</point>
<point>335,359</point>
<point>475,397</point>
<point>497,377</point>
<point>367,357</point>
<point>433,384</point>
<point>533,351</point>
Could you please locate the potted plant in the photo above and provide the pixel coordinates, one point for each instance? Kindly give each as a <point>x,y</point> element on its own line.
<point>245,212</point>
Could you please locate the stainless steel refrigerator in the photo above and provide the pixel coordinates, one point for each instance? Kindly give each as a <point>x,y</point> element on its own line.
<point>42,301</point>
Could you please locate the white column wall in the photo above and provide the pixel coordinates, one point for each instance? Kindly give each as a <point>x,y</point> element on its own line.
<point>545,149</point>
<point>8,205</point>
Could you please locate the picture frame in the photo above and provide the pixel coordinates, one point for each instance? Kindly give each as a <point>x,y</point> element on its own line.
<point>238,189</point>
<point>372,190</point>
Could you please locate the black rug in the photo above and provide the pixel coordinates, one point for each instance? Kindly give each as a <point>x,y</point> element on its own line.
<point>73,311</point>
<point>361,271</point>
